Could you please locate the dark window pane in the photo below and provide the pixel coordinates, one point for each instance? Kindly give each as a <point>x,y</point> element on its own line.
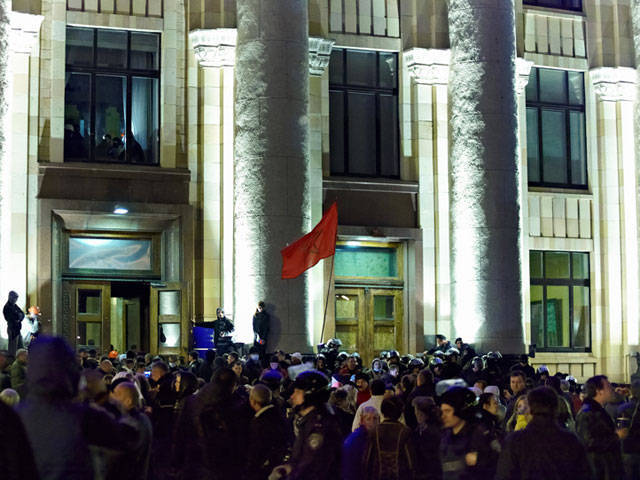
<point>553,86</point>
<point>79,47</point>
<point>89,335</point>
<point>578,148</point>
<point>580,265</point>
<point>336,131</point>
<point>361,68</point>
<point>388,70</point>
<point>533,145</point>
<point>77,116</point>
<point>143,140</point>
<point>537,316</point>
<point>112,49</point>
<point>531,92</point>
<point>388,136</point>
<point>336,66</point>
<point>144,51</point>
<point>581,316</point>
<point>111,98</point>
<point>576,88</point>
<point>362,133</point>
<point>535,264</point>
<point>557,316</point>
<point>554,146</point>
<point>556,265</point>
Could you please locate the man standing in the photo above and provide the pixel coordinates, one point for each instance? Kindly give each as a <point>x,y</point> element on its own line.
<point>19,372</point>
<point>261,323</point>
<point>13,315</point>
<point>355,446</point>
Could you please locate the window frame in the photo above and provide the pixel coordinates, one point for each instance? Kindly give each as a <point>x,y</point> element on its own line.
<point>566,109</point>
<point>345,88</point>
<point>563,5</point>
<point>570,283</point>
<point>94,71</point>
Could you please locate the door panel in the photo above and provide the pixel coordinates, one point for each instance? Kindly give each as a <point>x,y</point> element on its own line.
<point>385,320</point>
<point>168,319</point>
<point>90,314</point>
<point>350,309</point>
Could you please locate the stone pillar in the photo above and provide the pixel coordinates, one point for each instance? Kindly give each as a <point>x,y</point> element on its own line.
<point>484,176</point>
<point>614,185</point>
<point>5,96</point>
<point>429,69</point>
<point>271,183</point>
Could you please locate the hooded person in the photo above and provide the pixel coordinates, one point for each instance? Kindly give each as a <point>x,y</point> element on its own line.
<point>59,430</point>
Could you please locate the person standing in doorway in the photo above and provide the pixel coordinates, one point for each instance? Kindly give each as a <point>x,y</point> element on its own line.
<point>13,315</point>
<point>261,323</point>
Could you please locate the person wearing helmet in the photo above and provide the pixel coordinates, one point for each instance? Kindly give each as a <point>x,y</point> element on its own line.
<point>442,345</point>
<point>318,440</point>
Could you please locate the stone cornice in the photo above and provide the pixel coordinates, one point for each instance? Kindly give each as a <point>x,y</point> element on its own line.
<point>428,66</point>
<point>523,69</point>
<point>25,32</point>
<point>614,84</point>
<point>214,47</point>
<point>319,55</point>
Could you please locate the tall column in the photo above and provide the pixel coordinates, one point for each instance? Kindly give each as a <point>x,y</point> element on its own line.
<point>484,176</point>
<point>271,184</point>
<point>5,96</point>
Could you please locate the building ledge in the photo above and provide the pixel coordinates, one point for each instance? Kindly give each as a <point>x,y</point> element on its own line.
<point>370,185</point>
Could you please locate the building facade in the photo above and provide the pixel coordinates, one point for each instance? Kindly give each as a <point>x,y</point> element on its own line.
<point>159,153</point>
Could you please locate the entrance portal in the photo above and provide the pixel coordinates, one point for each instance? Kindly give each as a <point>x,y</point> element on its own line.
<point>130,316</point>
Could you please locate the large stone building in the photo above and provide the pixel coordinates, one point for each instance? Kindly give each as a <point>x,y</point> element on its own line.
<point>158,154</point>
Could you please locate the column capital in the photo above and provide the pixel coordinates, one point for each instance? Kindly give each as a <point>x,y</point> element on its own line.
<point>614,84</point>
<point>319,55</point>
<point>25,32</point>
<point>523,69</point>
<point>214,47</point>
<point>429,66</point>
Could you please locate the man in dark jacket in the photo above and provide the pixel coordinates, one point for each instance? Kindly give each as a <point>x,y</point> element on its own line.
<point>354,447</point>
<point>598,431</point>
<point>261,326</point>
<point>543,449</point>
<point>13,314</point>
<point>631,443</point>
<point>268,435</point>
<point>16,457</point>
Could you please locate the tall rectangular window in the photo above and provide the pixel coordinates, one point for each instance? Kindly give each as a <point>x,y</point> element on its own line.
<point>363,110</point>
<point>112,96</point>
<point>575,5</point>
<point>560,301</point>
<point>556,142</point>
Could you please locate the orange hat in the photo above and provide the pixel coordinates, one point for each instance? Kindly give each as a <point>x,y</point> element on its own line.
<point>33,310</point>
<point>113,354</point>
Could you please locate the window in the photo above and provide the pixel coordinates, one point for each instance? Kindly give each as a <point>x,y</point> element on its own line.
<point>575,5</point>
<point>560,301</point>
<point>363,109</point>
<point>112,96</point>
<point>556,143</point>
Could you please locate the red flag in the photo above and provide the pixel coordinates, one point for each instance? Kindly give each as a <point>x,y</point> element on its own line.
<point>319,243</point>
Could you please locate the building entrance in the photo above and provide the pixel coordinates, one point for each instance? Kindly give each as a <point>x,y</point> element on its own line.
<point>369,320</point>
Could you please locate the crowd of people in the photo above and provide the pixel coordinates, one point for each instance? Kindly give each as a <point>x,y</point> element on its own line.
<point>447,413</point>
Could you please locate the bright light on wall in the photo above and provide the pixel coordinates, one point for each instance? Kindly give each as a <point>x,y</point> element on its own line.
<point>119,210</point>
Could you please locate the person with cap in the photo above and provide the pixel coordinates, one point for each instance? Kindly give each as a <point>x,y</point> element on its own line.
<point>442,345</point>
<point>13,315</point>
<point>543,449</point>
<point>461,446</point>
<point>316,449</point>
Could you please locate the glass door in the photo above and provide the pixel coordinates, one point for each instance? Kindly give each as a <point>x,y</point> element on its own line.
<point>92,315</point>
<point>168,319</point>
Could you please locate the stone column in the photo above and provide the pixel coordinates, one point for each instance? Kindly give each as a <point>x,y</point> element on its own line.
<point>484,176</point>
<point>271,183</point>
<point>5,96</point>
<point>614,185</point>
<point>429,69</point>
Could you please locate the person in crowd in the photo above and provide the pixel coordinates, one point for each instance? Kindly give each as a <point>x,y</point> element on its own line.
<point>426,439</point>
<point>377,368</point>
<point>565,413</point>
<point>238,369</point>
<point>378,388</point>
<point>5,372</point>
<point>355,445</point>
<point>194,363</point>
<point>442,345</point>
<point>221,326</point>
<point>13,315</point>
<point>598,432</point>
<point>33,318</point>
<point>136,459</point>
<point>543,449</point>
<point>10,397</point>
<point>343,408</point>
<point>424,388</point>
<point>253,366</point>
<point>362,384</point>
<point>268,435</point>
<point>261,326</point>
<point>517,388</point>
<point>524,367</point>
<point>628,417</point>
<point>316,449</point>
<point>16,456</point>
<point>206,369</point>
<point>321,364</point>
<point>162,398</point>
<point>520,416</point>
<point>390,455</point>
<point>19,371</point>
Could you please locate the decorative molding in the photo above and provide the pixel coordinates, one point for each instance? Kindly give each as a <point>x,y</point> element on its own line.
<point>428,66</point>
<point>215,47</point>
<point>523,69</point>
<point>319,55</point>
<point>25,32</point>
<point>614,84</point>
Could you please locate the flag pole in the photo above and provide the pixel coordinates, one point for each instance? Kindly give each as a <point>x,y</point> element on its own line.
<point>326,303</point>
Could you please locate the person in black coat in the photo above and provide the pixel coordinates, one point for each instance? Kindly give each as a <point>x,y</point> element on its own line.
<point>268,435</point>
<point>13,315</point>
<point>261,324</point>
<point>426,439</point>
<point>221,327</point>
<point>16,457</point>
<point>543,449</point>
<point>598,432</point>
